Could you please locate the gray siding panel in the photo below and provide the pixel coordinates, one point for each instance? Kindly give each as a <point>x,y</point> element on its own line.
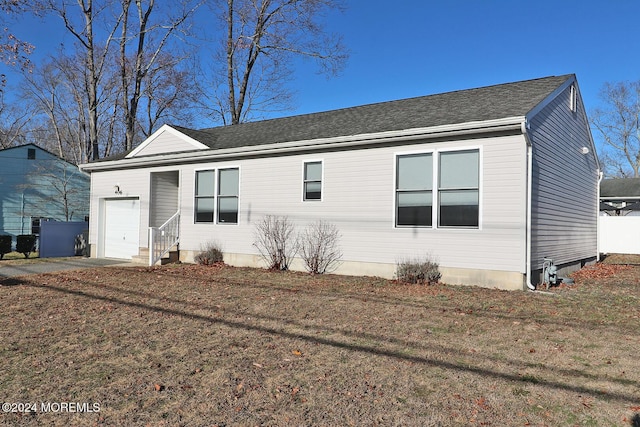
<point>564,199</point>
<point>164,197</point>
<point>166,142</point>
<point>358,197</point>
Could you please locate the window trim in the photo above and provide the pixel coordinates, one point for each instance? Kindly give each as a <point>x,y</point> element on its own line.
<point>219,197</point>
<point>440,190</point>
<point>435,199</point>
<point>305,181</point>
<point>196,197</point>
<point>395,188</point>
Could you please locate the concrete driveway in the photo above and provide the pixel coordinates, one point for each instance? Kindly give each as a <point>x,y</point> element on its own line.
<point>49,265</point>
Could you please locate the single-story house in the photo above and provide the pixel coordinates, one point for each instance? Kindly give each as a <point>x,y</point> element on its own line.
<point>488,182</point>
<point>35,186</point>
<point>620,197</point>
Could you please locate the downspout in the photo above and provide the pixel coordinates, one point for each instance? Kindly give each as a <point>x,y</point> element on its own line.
<point>524,128</point>
<point>600,176</point>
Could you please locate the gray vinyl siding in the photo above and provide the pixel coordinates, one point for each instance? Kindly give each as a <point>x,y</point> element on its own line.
<point>164,197</point>
<point>358,196</point>
<point>134,183</point>
<point>165,142</point>
<point>564,197</point>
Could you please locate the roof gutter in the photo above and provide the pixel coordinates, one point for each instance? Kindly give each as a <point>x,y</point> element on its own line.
<point>291,147</point>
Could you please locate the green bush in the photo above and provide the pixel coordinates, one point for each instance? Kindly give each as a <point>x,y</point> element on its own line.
<point>418,270</point>
<point>211,254</point>
<point>5,245</point>
<point>25,244</point>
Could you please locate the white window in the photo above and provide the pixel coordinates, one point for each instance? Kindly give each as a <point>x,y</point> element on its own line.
<point>459,189</point>
<point>228,187</point>
<point>457,198</point>
<point>414,190</point>
<point>205,196</point>
<point>312,181</point>
<point>221,200</point>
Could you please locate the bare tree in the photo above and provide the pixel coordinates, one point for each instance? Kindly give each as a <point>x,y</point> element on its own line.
<point>14,121</point>
<point>262,39</point>
<point>123,33</point>
<point>618,122</point>
<point>57,90</point>
<point>14,51</point>
<point>82,26</point>
<point>169,94</point>
<point>149,40</point>
<point>56,189</point>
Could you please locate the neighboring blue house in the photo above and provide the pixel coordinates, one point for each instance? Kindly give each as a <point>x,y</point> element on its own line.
<point>35,186</point>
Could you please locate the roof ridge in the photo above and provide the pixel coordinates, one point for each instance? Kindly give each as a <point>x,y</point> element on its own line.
<point>382,103</point>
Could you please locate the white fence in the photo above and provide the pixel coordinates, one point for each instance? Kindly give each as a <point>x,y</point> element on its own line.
<point>619,234</point>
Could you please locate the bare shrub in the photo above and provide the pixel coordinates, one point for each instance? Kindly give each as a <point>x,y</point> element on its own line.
<point>319,247</point>
<point>211,254</point>
<point>418,270</point>
<point>274,238</point>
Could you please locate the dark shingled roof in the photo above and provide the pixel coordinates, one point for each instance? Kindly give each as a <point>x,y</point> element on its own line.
<point>486,103</point>
<point>620,187</point>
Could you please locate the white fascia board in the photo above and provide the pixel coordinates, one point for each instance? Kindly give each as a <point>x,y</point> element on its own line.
<point>542,104</point>
<point>515,123</point>
<point>570,81</point>
<point>176,133</point>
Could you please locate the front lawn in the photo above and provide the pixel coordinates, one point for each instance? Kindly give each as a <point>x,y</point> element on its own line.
<point>206,346</point>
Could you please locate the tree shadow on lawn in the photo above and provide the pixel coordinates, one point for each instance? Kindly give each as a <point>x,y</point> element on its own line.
<point>389,300</point>
<point>376,350</point>
<point>10,281</point>
<point>348,334</point>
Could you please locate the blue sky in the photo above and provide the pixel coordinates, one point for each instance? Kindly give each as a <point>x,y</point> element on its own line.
<point>407,48</point>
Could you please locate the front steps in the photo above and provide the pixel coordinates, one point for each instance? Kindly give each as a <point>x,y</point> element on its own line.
<point>172,257</point>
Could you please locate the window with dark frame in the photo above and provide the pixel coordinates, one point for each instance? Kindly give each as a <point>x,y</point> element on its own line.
<point>31,153</point>
<point>312,181</point>
<point>459,189</point>
<point>414,190</point>
<point>205,196</point>
<point>35,225</point>
<point>228,188</point>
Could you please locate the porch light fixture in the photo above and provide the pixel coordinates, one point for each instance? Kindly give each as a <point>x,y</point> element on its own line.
<point>584,150</point>
<point>117,189</point>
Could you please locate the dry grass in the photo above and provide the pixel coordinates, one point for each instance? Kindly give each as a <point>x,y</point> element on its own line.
<point>205,346</point>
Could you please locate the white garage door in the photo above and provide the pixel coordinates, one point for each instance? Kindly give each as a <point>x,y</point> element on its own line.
<point>122,228</point>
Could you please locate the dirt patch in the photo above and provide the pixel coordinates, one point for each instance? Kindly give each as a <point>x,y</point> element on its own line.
<point>624,259</point>
<point>193,345</point>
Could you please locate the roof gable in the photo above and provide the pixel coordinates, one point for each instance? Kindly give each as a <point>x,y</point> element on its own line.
<point>9,150</point>
<point>167,139</point>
